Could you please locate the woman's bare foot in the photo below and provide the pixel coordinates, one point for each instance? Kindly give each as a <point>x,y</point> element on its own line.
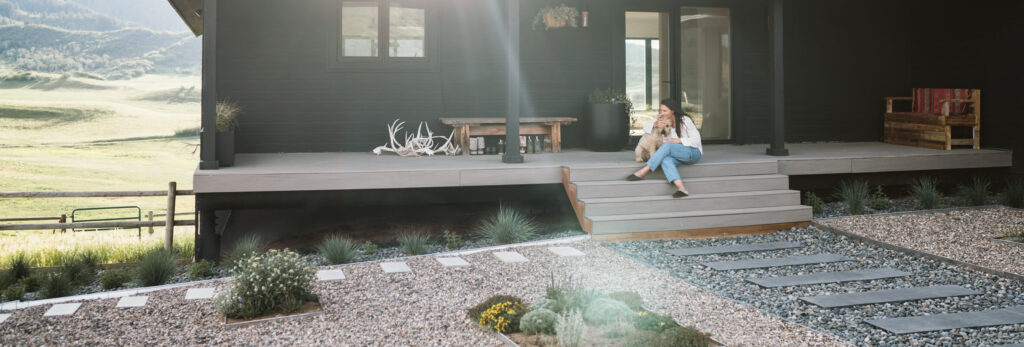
<point>682,189</point>
<point>636,176</point>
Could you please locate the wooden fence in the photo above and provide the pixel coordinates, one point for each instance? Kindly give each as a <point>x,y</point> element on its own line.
<point>169,222</point>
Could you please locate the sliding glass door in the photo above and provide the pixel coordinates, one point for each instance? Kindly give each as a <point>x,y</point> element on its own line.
<point>705,70</point>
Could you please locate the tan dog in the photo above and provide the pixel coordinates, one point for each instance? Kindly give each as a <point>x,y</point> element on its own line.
<point>649,143</point>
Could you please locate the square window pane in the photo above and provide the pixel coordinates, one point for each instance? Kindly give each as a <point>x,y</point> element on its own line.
<point>359,28</point>
<point>406,29</point>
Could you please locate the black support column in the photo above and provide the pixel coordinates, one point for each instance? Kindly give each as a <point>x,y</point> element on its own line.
<point>208,129</point>
<point>512,155</point>
<point>778,142</point>
<point>207,241</point>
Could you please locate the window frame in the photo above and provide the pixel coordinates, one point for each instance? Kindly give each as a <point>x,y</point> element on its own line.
<point>383,62</point>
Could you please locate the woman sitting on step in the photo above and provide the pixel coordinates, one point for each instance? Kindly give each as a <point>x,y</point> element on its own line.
<point>682,146</point>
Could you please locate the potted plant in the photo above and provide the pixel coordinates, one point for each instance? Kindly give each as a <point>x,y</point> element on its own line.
<point>227,123</point>
<point>608,123</point>
<point>555,17</point>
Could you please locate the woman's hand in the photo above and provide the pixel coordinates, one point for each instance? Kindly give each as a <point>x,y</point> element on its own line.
<point>678,141</point>
<point>659,124</point>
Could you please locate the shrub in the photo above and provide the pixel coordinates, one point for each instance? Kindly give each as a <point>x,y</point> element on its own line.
<point>1013,195</point>
<point>643,338</point>
<point>276,281</point>
<point>538,321</point>
<point>631,299</point>
<point>156,268</point>
<point>619,328</point>
<point>685,336</point>
<point>115,278</point>
<point>200,269</point>
<point>452,240</point>
<point>413,243</point>
<point>503,317</point>
<point>854,195</point>
<point>33,281</point>
<point>244,247</point>
<point>878,201</point>
<point>56,285</point>
<point>1013,234</point>
<point>817,205</point>
<point>606,310</point>
<point>570,295</point>
<point>14,292</point>
<point>6,279</point>
<point>369,248</point>
<point>508,226</point>
<point>338,249</point>
<point>651,321</point>
<point>475,311</point>
<point>543,303</point>
<point>973,194</point>
<point>570,329</point>
<point>925,192</point>
<point>79,269</point>
<point>18,266</point>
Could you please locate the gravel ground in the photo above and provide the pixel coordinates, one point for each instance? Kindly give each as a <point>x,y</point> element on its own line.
<point>964,235</point>
<point>838,208</point>
<point>845,323</point>
<point>423,308</point>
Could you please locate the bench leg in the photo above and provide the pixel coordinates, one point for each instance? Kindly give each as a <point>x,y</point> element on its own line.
<point>464,139</point>
<point>556,137</point>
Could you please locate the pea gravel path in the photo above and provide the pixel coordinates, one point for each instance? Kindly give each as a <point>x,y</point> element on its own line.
<point>964,235</point>
<point>424,308</point>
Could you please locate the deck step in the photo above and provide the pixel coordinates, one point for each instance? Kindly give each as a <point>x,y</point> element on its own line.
<point>745,264</point>
<point>828,277</point>
<point>743,247</point>
<point>695,202</point>
<point>888,296</point>
<point>637,223</point>
<point>705,185</point>
<point>617,172</point>
<point>920,324</point>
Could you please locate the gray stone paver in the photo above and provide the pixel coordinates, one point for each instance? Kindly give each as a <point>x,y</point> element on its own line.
<point>891,295</point>
<point>511,257</point>
<point>566,251</point>
<point>199,293</point>
<point>3,317</point>
<point>62,309</point>
<point>395,267</point>
<point>773,262</point>
<point>750,247</point>
<point>907,325</point>
<point>330,275</point>
<point>132,301</point>
<point>828,277</point>
<point>452,261</point>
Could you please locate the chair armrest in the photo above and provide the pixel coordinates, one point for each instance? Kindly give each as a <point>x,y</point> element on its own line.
<point>956,100</point>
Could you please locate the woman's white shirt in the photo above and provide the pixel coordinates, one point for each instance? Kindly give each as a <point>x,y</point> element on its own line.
<point>691,137</point>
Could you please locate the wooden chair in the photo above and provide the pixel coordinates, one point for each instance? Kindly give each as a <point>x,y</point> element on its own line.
<point>935,112</point>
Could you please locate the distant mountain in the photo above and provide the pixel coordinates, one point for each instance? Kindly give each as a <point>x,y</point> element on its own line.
<point>119,39</point>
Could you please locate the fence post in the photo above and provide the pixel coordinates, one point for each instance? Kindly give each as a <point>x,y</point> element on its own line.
<point>150,216</point>
<point>169,236</point>
<point>63,219</point>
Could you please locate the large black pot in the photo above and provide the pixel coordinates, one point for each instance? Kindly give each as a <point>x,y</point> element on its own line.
<point>226,148</point>
<point>608,127</point>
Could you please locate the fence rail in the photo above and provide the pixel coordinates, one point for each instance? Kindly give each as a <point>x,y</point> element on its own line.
<point>171,193</point>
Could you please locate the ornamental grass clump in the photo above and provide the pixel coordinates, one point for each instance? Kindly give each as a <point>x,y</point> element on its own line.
<point>156,268</point>
<point>277,281</point>
<point>854,195</point>
<point>414,243</point>
<point>1013,195</point>
<point>245,247</point>
<point>508,226</point>
<point>338,249</point>
<point>56,285</point>
<point>925,193</point>
<point>973,194</point>
<point>18,266</point>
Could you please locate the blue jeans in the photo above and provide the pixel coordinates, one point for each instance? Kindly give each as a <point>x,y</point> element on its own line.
<point>670,155</point>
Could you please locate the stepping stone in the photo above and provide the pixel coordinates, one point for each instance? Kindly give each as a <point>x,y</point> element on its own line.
<point>330,275</point>
<point>132,301</point>
<point>511,257</point>
<point>907,325</point>
<point>750,247</point>
<point>453,262</point>
<point>891,295</point>
<point>62,309</point>
<point>828,277</point>
<point>199,293</point>
<point>566,251</point>
<point>3,317</point>
<point>772,262</point>
<point>1013,345</point>
<point>394,267</point>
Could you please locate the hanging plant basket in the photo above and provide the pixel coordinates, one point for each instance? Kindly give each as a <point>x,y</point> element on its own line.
<point>556,17</point>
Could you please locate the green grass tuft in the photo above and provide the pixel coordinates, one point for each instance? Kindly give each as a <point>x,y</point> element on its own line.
<point>338,249</point>
<point>56,285</point>
<point>507,226</point>
<point>156,268</point>
<point>18,266</point>
<point>1013,195</point>
<point>973,194</point>
<point>925,192</point>
<point>414,243</point>
<point>854,195</point>
<point>245,247</point>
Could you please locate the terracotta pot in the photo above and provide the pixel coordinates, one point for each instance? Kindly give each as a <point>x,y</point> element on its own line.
<point>551,22</point>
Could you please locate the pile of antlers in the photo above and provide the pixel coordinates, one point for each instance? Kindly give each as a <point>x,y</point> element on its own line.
<point>416,145</point>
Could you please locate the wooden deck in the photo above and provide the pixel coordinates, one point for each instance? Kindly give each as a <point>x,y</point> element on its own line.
<point>344,171</point>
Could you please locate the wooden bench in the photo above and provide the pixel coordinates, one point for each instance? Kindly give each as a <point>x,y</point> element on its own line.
<point>482,126</point>
<point>934,115</point>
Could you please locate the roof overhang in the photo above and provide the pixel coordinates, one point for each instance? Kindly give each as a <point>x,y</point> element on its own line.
<point>191,11</point>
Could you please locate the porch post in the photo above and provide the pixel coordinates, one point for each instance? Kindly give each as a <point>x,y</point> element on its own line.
<point>512,155</point>
<point>208,129</point>
<point>778,144</point>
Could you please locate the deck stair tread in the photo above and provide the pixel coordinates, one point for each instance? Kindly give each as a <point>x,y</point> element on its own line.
<point>664,197</point>
<point>888,296</point>
<point>623,181</point>
<point>976,319</point>
<point>666,215</point>
<point>737,248</point>
<point>828,277</point>
<point>744,264</point>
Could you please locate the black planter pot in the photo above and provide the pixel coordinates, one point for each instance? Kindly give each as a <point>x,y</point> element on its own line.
<point>226,148</point>
<point>608,127</point>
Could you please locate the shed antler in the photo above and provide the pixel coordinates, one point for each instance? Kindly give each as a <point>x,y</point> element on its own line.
<point>418,144</point>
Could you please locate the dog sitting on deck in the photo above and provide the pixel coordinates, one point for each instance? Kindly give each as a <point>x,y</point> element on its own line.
<point>649,143</point>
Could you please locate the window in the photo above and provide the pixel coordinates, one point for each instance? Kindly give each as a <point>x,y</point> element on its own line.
<point>385,35</point>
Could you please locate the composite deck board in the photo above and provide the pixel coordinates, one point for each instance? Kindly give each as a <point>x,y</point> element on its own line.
<point>886,296</point>
<point>918,324</point>
<point>828,277</point>
<point>749,247</point>
<point>774,262</point>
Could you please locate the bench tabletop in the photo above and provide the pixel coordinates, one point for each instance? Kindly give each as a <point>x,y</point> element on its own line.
<point>499,120</point>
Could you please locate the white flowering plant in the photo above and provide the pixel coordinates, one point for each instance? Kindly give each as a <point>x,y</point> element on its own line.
<point>273,281</point>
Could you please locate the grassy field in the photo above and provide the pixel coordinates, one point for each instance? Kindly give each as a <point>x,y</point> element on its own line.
<point>81,134</point>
